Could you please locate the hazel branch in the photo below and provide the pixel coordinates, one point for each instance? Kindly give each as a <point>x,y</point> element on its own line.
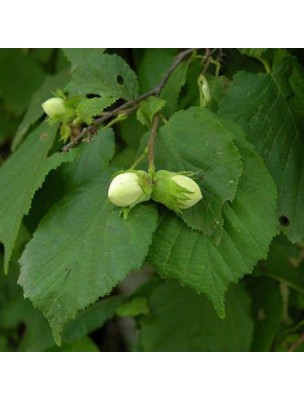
<point>131,105</point>
<point>151,142</point>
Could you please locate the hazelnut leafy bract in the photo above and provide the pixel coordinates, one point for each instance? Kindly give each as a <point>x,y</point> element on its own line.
<point>176,191</point>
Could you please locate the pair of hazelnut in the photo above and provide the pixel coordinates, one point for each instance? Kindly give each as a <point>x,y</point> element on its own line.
<point>176,190</point>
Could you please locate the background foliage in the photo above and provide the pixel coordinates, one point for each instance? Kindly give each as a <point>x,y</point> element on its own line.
<point>226,275</point>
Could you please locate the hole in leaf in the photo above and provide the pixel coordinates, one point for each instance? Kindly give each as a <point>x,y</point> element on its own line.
<point>120,80</point>
<point>92,96</point>
<point>284,220</point>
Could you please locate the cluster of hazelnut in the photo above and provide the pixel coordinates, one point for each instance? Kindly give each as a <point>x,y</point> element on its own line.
<point>176,190</point>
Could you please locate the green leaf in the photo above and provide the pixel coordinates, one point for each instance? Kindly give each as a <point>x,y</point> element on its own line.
<point>82,345</point>
<point>289,75</point>
<point>254,53</point>
<point>37,335</point>
<point>44,55</point>
<point>34,110</point>
<point>152,66</point>
<point>218,88</point>
<point>83,243</point>
<point>259,104</point>
<point>283,263</point>
<point>294,342</point>
<point>249,226</point>
<point>151,69</point>
<point>133,308</point>
<point>123,159</point>
<point>80,56</point>
<point>182,320</point>
<point>194,140</point>
<point>148,108</point>
<point>93,252</point>
<point>91,318</point>
<point>20,76</point>
<point>296,101</point>
<point>20,176</point>
<point>8,123</point>
<point>91,160</point>
<point>267,312</point>
<point>16,312</point>
<point>172,89</point>
<point>190,94</point>
<point>131,131</point>
<point>107,75</point>
<point>4,343</point>
<point>90,108</point>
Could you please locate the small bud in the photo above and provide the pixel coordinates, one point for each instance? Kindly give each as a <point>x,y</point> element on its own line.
<point>130,188</point>
<point>206,90</point>
<point>65,132</point>
<point>54,107</point>
<point>205,93</point>
<point>176,191</point>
